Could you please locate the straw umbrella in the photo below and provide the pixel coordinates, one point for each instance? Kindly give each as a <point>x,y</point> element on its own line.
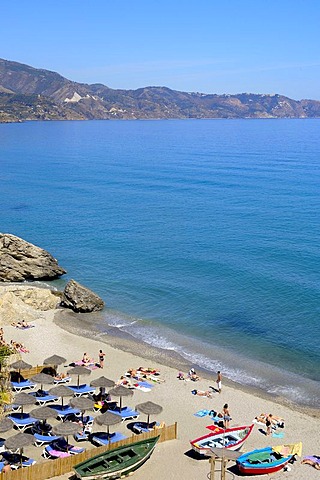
<point>42,378</point>
<point>19,441</point>
<point>102,382</point>
<point>54,360</point>
<point>5,425</point>
<point>79,371</point>
<point>20,365</point>
<point>149,408</point>
<point>107,419</point>
<point>65,429</point>
<point>82,404</point>
<point>23,399</point>
<point>61,391</point>
<point>43,413</point>
<point>121,391</point>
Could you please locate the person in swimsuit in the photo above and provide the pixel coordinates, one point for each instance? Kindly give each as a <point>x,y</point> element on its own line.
<point>226,415</point>
<point>101,358</point>
<point>269,424</point>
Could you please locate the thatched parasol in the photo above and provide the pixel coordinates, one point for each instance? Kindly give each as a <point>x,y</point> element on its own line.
<point>20,365</point>
<point>83,404</point>
<point>5,425</point>
<point>19,441</point>
<point>61,391</point>
<point>121,391</point>
<point>42,413</point>
<point>23,399</point>
<point>102,382</point>
<point>65,429</point>
<point>42,378</point>
<point>54,360</point>
<point>107,419</point>
<point>149,408</point>
<point>79,371</point>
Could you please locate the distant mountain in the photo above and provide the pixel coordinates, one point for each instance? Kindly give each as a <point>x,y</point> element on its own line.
<point>28,93</point>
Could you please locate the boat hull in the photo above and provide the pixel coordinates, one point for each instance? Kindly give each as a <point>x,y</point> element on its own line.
<point>230,438</point>
<point>103,466</point>
<point>270,466</point>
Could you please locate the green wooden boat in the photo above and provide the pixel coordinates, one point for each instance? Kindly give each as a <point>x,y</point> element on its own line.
<point>118,462</point>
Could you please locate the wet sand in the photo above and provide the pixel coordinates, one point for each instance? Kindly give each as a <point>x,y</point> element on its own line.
<point>173,459</point>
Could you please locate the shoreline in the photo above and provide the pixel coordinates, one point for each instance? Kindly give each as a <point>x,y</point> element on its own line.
<point>125,342</point>
<point>52,335</point>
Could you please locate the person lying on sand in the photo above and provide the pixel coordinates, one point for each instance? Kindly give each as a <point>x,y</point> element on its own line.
<point>22,325</point>
<point>275,421</point>
<point>124,381</point>
<point>149,370</point>
<point>192,375</point>
<point>202,393</point>
<point>313,460</point>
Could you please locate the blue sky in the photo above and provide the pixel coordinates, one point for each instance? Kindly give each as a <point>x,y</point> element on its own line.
<point>226,46</point>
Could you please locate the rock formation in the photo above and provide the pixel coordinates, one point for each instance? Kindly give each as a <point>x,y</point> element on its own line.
<point>80,299</point>
<point>20,260</point>
<point>26,303</point>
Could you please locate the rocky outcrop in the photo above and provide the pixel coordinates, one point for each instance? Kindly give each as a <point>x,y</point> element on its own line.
<point>20,260</point>
<point>80,299</point>
<point>27,303</point>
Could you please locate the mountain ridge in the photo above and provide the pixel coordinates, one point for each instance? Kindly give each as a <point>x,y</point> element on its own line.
<point>28,93</point>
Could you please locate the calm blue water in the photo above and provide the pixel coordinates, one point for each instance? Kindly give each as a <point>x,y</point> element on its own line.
<point>201,236</point>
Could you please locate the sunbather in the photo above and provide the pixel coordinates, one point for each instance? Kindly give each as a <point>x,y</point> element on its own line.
<point>202,393</point>
<point>313,460</point>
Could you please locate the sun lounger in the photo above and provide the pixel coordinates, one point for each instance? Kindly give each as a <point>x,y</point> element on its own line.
<point>2,445</point>
<point>22,421</point>
<point>44,399</point>
<point>63,446</point>
<point>64,410</point>
<point>103,438</point>
<point>143,427</point>
<point>15,460</point>
<point>82,390</point>
<point>83,435</point>
<point>44,439</point>
<point>23,385</point>
<point>126,413</point>
<point>49,452</point>
<point>56,381</point>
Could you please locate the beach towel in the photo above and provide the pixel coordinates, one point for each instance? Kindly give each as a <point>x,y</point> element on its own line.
<point>201,413</point>
<point>278,435</point>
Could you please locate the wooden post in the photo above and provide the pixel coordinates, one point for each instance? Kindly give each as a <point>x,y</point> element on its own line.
<point>213,467</point>
<point>223,468</point>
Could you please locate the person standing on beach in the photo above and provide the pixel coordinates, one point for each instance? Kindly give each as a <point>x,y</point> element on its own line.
<point>226,415</point>
<point>219,380</point>
<point>101,358</point>
<point>269,424</point>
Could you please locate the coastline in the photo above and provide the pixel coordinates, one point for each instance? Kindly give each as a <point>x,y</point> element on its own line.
<point>53,335</point>
<point>115,338</point>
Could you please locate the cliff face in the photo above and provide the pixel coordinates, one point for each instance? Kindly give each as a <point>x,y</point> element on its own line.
<point>27,93</point>
<point>20,260</point>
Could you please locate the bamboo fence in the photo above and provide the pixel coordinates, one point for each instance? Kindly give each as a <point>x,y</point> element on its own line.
<point>52,468</point>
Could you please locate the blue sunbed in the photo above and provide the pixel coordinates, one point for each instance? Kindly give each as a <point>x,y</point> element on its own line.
<point>44,439</point>
<point>126,413</point>
<point>81,390</point>
<point>23,385</point>
<point>43,399</point>
<point>103,438</point>
<point>64,410</point>
<point>22,421</point>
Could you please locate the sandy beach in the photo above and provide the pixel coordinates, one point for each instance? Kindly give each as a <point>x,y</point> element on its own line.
<point>172,459</point>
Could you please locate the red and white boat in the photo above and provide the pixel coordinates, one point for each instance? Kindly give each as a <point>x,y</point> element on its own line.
<point>231,438</point>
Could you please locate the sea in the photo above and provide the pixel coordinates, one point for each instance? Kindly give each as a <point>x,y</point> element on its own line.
<point>201,236</point>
